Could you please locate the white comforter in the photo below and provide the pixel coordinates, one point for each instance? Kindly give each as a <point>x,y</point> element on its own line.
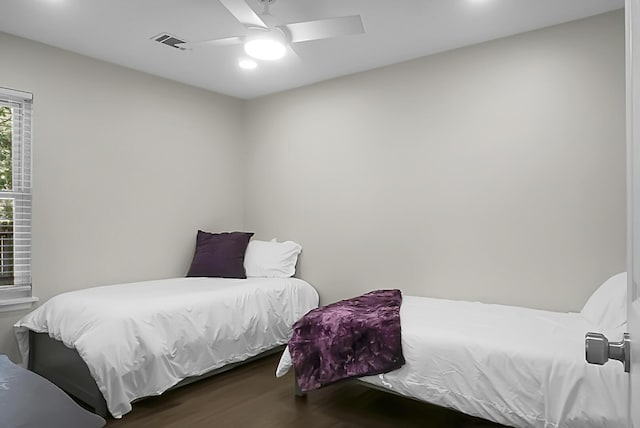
<point>515,366</point>
<point>140,339</point>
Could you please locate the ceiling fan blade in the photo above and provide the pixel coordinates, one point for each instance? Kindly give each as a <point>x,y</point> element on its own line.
<point>227,41</point>
<point>243,13</point>
<point>324,28</point>
<point>292,56</point>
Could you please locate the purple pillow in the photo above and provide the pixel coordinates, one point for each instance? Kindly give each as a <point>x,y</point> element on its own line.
<point>220,254</point>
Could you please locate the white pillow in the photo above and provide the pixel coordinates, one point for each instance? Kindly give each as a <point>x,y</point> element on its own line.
<point>271,259</point>
<point>607,306</point>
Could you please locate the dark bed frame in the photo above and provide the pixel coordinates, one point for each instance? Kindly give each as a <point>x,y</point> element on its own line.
<point>299,393</point>
<point>64,367</point>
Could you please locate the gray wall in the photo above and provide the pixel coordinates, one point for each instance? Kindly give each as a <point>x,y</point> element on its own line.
<point>126,168</point>
<point>494,172</point>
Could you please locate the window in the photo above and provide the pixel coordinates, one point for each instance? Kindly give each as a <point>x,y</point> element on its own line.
<point>15,199</point>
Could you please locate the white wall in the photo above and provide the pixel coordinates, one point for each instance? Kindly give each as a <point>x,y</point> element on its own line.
<point>494,172</point>
<point>126,167</point>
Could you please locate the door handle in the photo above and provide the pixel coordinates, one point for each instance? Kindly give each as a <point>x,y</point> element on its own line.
<point>598,350</point>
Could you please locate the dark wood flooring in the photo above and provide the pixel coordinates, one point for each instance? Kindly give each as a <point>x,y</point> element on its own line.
<point>251,396</point>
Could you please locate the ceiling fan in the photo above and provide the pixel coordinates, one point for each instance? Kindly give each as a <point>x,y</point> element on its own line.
<point>266,39</point>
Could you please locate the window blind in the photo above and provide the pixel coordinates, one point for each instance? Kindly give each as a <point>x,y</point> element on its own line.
<point>15,191</point>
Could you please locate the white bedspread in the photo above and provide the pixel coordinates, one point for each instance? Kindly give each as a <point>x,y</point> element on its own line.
<point>515,366</point>
<point>140,339</point>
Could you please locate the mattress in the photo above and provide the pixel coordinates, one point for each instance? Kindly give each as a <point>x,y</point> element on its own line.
<point>139,339</point>
<point>515,366</point>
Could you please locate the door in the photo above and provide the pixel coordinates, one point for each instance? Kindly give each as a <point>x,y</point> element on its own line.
<point>633,202</point>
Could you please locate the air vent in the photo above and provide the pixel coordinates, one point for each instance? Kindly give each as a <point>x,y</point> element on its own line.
<point>169,40</point>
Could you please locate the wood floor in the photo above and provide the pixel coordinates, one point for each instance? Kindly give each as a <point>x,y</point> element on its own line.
<point>251,396</point>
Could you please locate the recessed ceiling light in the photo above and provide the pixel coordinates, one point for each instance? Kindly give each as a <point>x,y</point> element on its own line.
<point>247,64</point>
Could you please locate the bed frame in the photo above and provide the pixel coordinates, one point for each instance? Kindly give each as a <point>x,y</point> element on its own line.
<point>299,393</point>
<point>64,367</point>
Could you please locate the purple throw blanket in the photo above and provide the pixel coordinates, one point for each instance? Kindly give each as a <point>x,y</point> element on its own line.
<point>351,338</point>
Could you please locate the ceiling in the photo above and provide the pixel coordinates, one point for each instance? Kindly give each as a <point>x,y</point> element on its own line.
<point>121,32</point>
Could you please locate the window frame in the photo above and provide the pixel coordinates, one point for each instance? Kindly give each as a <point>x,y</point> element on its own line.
<point>18,296</point>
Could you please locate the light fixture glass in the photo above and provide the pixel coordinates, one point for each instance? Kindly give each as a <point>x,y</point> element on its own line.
<point>247,64</point>
<point>266,49</point>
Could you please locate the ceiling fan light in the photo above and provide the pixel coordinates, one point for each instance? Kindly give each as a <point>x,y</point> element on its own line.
<point>265,49</point>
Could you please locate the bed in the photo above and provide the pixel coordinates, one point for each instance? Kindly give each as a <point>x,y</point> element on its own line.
<point>112,345</point>
<point>512,365</point>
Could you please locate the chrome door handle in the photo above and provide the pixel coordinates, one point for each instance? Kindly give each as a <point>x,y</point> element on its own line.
<point>598,350</point>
